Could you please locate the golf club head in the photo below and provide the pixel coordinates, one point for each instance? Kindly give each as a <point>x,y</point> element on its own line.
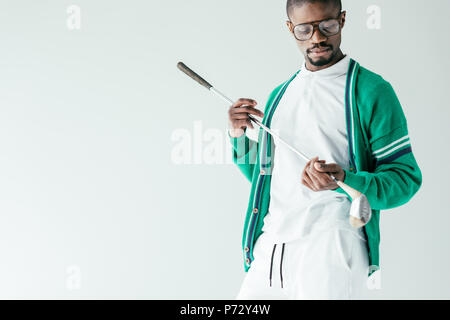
<point>360,212</point>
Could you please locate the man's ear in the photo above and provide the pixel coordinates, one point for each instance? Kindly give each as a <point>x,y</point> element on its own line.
<point>343,18</point>
<point>289,25</point>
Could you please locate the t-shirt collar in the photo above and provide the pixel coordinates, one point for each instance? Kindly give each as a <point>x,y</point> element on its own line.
<point>338,69</point>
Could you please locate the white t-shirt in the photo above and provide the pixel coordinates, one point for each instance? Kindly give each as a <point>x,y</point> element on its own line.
<point>310,117</point>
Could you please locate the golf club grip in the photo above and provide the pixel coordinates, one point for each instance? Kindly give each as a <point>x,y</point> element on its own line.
<point>193,75</point>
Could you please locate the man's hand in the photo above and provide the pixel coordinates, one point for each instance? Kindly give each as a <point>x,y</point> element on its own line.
<point>316,175</point>
<point>238,116</point>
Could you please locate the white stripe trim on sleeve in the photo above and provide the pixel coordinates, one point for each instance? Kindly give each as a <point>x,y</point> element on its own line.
<point>390,151</point>
<point>390,145</point>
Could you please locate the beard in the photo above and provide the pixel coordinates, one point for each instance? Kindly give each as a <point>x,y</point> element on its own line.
<point>322,61</point>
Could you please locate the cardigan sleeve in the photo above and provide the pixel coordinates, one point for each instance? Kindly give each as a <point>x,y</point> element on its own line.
<point>244,154</point>
<point>397,176</point>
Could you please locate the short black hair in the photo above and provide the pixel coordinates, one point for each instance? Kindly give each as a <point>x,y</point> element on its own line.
<point>291,4</point>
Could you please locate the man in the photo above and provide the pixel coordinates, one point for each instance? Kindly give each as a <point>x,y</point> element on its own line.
<point>297,241</point>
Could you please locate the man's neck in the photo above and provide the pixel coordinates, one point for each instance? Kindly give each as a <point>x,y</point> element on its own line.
<point>339,56</point>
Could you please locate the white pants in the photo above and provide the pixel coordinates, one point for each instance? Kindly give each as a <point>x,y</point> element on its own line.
<point>331,264</point>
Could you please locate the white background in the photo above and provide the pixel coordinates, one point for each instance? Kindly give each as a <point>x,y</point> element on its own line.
<point>87,179</point>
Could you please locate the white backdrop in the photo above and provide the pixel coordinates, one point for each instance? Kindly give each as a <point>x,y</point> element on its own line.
<point>93,202</point>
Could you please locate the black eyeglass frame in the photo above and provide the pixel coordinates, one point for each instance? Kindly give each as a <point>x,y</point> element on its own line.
<point>317,24</point>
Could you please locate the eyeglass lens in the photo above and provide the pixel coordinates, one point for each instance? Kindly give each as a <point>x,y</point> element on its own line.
<point>328,28</point>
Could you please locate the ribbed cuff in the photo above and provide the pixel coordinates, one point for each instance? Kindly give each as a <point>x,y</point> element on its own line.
<point>352,180</point>
<point>233,139</point>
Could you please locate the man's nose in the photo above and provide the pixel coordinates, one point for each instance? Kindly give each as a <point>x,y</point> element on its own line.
<point>317,36</point>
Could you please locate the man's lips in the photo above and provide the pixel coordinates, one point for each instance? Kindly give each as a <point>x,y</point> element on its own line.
<point>319,52</point>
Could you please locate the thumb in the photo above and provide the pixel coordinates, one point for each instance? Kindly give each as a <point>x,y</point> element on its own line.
<point>331,167</point>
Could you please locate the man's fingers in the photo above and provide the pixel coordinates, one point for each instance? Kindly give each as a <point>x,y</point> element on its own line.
<point>244,101</point>
<point>330,167</point>
<point>333,169</point>
<point>240,116</point>
<point>306,180</point>
<point>322,164</point>
<point>244,105</point>
<point>317,178</point>
<point>313,160</point>
<point>313,180</point>
<point>244,123</point>
<point>322,178</point>
<point>315,175</point>
<point>246,110</point>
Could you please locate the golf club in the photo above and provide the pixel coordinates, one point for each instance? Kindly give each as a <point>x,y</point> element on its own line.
<point>360,211</point>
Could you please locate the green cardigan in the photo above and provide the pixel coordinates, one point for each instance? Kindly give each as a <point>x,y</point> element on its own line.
<point>382,165</point>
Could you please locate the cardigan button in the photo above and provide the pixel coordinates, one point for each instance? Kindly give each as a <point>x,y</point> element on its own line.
<point>247,261</point>
<point>247,249</point>
<point>262,172</point>
<point>255,210</point>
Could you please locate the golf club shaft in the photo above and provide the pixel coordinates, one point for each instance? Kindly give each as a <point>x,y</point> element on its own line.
<point>225,98</point>
<point>261,125</point>
<point>355,220</point>
<point>193,75</point>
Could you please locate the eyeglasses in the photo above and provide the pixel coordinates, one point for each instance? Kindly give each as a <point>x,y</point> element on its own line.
<point>328,28</point>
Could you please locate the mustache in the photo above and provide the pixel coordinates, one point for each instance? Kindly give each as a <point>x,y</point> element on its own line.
<point>319,47</point>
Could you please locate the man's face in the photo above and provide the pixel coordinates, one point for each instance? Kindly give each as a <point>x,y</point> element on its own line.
<point>319,50</point>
